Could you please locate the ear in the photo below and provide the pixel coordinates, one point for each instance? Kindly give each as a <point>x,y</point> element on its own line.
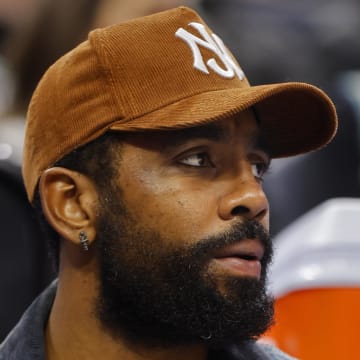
<point>69,202</point>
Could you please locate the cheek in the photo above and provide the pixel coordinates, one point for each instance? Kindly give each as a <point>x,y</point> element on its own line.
<point>177,209</point>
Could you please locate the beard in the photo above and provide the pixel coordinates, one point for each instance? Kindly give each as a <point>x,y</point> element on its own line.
<point>158,294</point>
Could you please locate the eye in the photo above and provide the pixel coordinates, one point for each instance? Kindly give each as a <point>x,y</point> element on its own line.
<point>259,170</point>
<point>200,159</point>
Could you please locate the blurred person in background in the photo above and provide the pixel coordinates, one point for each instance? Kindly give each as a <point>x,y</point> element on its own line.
<point>13,15</point>
<point>39,32</point>
<point>115,11</point>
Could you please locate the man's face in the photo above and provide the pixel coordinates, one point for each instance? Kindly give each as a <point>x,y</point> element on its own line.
<point>182,237</point>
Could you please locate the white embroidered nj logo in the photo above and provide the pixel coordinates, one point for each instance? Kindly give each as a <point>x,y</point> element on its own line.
<point>213,43</point>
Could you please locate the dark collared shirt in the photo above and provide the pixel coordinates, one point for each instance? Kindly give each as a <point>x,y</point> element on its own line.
<point>26,340</point>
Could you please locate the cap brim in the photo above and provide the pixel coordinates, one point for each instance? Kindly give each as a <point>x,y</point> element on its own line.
<point>294,117</point>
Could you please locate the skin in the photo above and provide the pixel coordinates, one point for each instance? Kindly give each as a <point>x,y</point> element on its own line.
<point>113,11</point>
<point>186,186</point>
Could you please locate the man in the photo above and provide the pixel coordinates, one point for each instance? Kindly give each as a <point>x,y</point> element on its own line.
<point>145,151</point>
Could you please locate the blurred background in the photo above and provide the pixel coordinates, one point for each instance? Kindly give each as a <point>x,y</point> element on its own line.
<point>273,40</point>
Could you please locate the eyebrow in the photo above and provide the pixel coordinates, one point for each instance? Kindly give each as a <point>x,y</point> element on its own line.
<point>210,131</point>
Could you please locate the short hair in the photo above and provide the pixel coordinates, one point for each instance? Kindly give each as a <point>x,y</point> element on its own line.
<point>99,160</point>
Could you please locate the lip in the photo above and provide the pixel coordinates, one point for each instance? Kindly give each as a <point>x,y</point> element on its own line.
<point>242,258</point>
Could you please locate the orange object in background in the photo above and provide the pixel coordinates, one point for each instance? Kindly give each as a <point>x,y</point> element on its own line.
<point>315,278</point>
<point>318,324</point>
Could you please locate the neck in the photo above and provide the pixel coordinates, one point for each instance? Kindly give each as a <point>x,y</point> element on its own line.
<point>74,332</point>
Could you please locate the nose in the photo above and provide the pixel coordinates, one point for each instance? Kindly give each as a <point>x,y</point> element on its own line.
<point>245,199</point>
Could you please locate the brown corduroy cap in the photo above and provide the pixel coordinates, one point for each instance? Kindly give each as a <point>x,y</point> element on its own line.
<point>163,71</point>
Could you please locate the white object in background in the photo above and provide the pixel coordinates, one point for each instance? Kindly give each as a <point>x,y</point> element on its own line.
<point>320,249</point>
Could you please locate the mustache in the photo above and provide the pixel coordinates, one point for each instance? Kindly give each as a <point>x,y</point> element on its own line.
<point>249,229</point>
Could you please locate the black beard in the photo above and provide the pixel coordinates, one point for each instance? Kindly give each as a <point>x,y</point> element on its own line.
<point>157,294</point>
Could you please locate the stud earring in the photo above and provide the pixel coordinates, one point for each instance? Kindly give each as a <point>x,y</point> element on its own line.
<point>84,241</point>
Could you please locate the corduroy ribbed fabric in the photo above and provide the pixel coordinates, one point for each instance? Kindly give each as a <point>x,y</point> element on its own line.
<point>142,75</point>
